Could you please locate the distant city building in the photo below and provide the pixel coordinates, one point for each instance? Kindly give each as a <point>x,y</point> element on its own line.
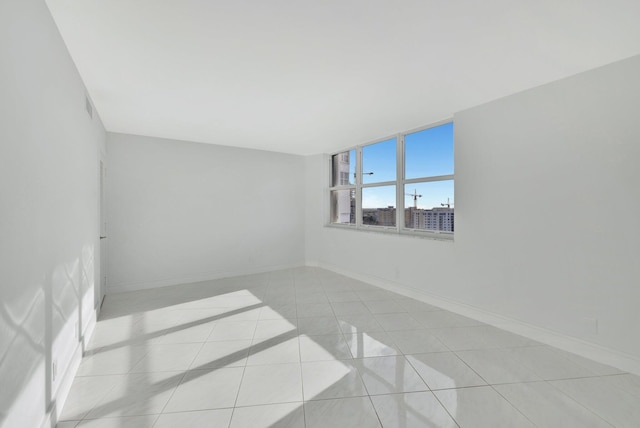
<point>370,216</point>
<point>387,216</point>
<point>409,216</point>
<point>441,219</point>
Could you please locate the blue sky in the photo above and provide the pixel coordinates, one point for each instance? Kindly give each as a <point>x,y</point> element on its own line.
<point>428,153</point>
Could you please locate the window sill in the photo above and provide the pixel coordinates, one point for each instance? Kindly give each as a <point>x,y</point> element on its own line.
<point>412,233</point>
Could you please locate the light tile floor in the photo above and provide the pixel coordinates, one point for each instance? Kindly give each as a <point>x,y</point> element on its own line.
<point>309,348</point>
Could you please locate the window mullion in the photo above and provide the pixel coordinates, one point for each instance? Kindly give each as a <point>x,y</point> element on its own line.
<point>358,183</point>
<point>428,179</point>
<point>399,182</point>
<point>382,183</point>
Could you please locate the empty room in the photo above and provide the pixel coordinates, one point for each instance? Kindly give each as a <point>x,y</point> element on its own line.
<point>319,214</point>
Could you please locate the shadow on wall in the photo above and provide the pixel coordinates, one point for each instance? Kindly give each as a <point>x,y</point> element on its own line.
<point>41,331</point>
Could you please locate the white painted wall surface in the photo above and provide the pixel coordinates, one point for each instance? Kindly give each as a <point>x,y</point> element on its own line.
<point>547,208</point>
<point>49,151</point>
<point>182,212</point>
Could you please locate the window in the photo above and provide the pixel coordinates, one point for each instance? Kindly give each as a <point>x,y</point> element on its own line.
<point>343,193</point>
<point>343,167</point>
<point>343,207</point>
<point>428,179</point>
<point>403,184</point>
<point>379,184</point>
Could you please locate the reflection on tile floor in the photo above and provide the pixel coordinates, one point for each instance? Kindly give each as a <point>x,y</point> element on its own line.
<point>310,348</point>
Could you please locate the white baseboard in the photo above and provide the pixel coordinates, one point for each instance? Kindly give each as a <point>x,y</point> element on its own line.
<point>88,330</point>
<point>601,354</point>
<point>210,276</point>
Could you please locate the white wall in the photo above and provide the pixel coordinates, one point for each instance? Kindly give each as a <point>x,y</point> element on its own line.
<point>547,208</point>
<point>181,212</point>
<point>49,154</point>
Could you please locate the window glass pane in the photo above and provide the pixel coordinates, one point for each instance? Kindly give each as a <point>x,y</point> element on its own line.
<point>429,206</point>
<point>430,152</point>
<point>379,159</point>
<point>343,206</point>
<point>343,167</point>
<point>379,206</point>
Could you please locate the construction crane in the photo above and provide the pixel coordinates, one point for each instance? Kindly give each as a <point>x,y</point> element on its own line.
<point>448,204</point>
<point>415,198</point>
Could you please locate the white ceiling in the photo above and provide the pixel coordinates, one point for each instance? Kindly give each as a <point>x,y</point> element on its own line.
<point>302,76</point>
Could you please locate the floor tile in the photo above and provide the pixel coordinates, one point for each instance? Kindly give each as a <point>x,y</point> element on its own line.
<point>442,319</point>
<point>267,329</point>
<point>241,306</point>
<point>343,287</point>
<point>115,332</point>
<point>206,389</point>
<point>274,351</point>
<point>85,393</point>
<point>548,364</point>
<point>314,310</point>
<point>270,384</point>
<point>67,424</point>
<point>547,407</point>
<point>594,367</point>
<point>384,307</point>
<point>146,421</point>
<point>288,415</point>
<point>342,296</point>
<point>483,337</point>
<point>416,341</point>
<point>242,313</point>
<point>172,357</point>
<point>109,361</point>
<point>232,353</point>
<point>444,370</point>
<point>280,299</point>
<point>349,308</point>
<point>351,324</point>
<point>412,410</point>
<point>322,348</point>
<point>311,297</point>
<point>314,326</point>
<point>198,317</point>
<point>278,312</point>
<point>401,321</point>
<point>497,366</point>
<point>331,379</point>
<point>233,330</point>
<point>481,407</point>
<point>387,375</point>
<point>616,406</point>
<point>356,412</point>
<point>412,305</point>
<point>372,344</point>
<point>203,418</point>
<point>188,334</point>
<point>375,295</point>
<point>626,382</point>
<point>137,394</point>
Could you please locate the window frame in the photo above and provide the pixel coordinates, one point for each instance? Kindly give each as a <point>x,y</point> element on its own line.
<point>400,182</point>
